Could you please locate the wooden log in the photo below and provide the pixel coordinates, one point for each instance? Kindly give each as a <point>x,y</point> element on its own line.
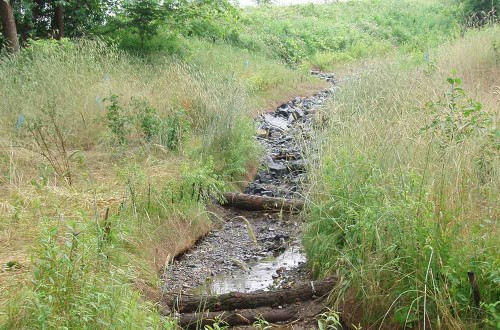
<point>261,203</point>
<point>239,317</point>
<point>236,300</point>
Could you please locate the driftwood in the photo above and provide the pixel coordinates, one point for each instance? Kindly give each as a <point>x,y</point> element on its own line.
<point>239,317</point>
<point>259,203</point>
<point>230,301</point>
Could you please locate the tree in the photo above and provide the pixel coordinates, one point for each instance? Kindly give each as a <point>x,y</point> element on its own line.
<point>58,22</point>
<point>144,18</point>
<point>264,2</point>
<point>9,27</point>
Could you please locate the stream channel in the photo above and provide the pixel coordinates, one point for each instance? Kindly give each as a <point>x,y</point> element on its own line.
<point>247,250</point>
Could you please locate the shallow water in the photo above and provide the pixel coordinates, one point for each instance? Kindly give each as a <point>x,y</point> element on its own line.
<point>261,275</point>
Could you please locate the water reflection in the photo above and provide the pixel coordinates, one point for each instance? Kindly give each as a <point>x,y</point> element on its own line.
<point>262,275</point>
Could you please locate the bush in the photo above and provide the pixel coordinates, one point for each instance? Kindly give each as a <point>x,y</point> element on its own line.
<point>351,30</point>
<point>481,6</point>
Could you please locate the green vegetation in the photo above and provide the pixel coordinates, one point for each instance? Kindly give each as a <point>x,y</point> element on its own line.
<point>405,199</point>
<point>97,129</point>
<point>87,127</point>
<point>328,35</point>
<point>112,145</point>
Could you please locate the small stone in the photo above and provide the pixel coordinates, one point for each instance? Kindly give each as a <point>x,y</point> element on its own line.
<point>263,133</point>
<point>278,169</point>
<point>277,122</point>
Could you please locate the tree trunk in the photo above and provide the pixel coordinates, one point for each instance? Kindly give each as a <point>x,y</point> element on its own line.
<point>259,203</point>
<point>237,300</point>
<point>59,22</point>
<point>9,27</point>
<point>240,317</point>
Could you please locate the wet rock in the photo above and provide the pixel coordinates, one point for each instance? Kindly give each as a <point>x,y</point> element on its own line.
<point>276,168</point>
<point>276,122</point>
<point>298,113</point>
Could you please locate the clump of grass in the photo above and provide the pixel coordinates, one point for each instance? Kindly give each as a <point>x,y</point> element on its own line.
<point>75,286</point>
<point>403,208</point>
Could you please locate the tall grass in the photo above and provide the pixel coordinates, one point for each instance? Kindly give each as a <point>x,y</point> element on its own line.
<point>401,211</point>
<point>150,139</point>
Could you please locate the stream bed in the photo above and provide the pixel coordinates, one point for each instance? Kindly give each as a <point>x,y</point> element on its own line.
<point>246,250</point>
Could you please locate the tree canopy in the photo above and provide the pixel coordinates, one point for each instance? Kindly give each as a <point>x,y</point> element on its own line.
<point>41,19</point>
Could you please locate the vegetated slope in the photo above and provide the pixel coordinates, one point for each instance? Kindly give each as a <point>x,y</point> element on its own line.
<point>405,200</point>
<point>331,34</point>
<point>86,128</point>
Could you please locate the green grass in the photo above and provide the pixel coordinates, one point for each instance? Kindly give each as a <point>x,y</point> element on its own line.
<point>88,127</point>
<point>405,196</point>
<point>332,34</point>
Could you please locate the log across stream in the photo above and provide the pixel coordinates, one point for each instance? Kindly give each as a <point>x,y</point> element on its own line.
<point>252,265</point>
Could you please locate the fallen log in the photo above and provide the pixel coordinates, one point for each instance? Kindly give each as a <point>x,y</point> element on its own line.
<point>236,300</point>
<point>261,203</point>
<point>239,317</point>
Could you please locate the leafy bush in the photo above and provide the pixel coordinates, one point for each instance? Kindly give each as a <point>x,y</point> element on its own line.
<point>174,130</point>
<point>116,119</point>
<point>148,119</point>
<point>481,6</point>
<point>457,117</point>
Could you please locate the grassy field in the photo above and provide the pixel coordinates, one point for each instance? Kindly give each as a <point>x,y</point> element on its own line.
<point>404,200</point>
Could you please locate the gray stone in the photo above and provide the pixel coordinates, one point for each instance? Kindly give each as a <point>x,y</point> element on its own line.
<point>298,113</point>
<point>277,122</point>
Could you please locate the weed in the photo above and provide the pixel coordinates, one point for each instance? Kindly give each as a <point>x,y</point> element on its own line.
<point>148,118</point>
<point>117,119</point>
<point>329,320</point>
<point>174,130</point>
<point>71,289</point>
<point>400,216</point>
<point>218,324</point>
<point>456,116</point>
<point>262,324</point>
<point>47,132</point>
